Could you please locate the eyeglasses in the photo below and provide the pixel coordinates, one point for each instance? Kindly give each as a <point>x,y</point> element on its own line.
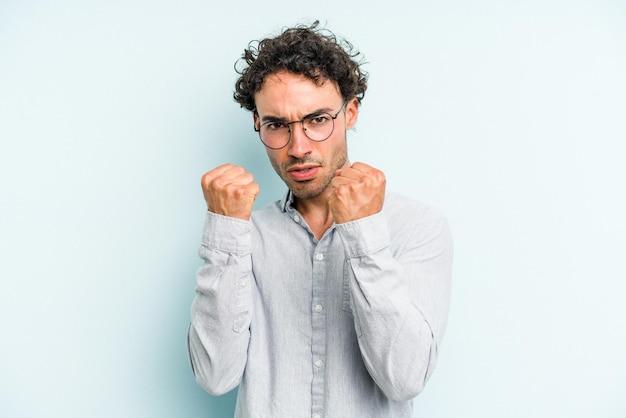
<point>318,127</point>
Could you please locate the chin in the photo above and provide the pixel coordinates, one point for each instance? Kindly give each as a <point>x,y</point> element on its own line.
<point>305,191</point>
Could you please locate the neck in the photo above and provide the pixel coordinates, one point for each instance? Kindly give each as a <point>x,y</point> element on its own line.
<point>316,213</point>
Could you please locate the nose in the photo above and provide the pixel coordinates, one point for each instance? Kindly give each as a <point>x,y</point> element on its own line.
<point>299,144</point>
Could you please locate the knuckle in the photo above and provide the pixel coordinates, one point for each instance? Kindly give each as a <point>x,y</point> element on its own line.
<point>206,177</point>
<point>230,189</point>
<point>238,170</point>
<point>206,182</point>
<point>217,183</point>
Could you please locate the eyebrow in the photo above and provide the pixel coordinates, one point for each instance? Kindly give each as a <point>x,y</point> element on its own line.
<point>269,118</point>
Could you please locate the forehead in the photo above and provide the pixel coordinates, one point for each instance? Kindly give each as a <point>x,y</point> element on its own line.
<point>286,93</point>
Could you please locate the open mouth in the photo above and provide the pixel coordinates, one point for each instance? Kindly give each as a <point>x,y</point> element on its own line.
<point>303,173</point>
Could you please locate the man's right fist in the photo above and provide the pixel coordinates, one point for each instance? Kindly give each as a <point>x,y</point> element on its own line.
<point>230,190</point>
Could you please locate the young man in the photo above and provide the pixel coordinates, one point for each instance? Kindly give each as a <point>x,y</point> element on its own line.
<point>331,302</point>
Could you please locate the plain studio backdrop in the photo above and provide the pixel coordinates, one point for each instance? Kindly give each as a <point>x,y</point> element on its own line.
<point>509,116</point>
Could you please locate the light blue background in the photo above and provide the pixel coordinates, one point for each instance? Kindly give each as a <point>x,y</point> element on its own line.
<point>508,116</point>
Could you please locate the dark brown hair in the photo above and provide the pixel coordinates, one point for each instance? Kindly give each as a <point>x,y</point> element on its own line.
<point>306,50</point>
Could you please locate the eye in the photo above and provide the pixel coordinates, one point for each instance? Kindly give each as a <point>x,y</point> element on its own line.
<point>319,119</point>
<point>275,126</point>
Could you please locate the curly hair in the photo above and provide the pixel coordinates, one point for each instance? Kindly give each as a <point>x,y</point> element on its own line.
<point>305,50</point>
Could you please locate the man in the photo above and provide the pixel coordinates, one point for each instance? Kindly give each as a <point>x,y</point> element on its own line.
<point>331,302</point>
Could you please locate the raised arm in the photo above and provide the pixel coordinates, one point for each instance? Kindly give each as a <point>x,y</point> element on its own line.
<point>221,311</point>
<point>400,273</point>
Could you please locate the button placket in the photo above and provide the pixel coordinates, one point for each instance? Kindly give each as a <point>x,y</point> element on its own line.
<point>318,323</point>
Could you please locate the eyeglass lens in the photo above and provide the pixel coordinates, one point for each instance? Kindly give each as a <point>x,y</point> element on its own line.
<point>277,134</point>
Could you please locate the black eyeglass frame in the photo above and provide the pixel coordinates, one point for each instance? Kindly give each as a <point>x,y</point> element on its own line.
<point>288,124</point>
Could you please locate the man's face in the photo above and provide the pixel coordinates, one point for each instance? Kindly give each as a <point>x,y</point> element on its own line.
<point>307,167</point>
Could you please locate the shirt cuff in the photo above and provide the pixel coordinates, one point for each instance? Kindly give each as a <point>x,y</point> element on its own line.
<point>227,234</point>
<point>364,236</point>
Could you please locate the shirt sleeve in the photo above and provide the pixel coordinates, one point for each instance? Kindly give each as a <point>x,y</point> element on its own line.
<point>219,332</point>
<point>399,296</point>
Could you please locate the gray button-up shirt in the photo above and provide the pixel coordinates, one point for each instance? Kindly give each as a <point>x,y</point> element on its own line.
<point>345,326</point>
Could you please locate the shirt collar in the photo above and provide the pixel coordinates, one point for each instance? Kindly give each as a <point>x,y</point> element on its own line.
<point>287,201</point>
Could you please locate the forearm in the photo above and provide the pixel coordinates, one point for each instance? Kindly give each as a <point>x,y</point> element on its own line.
<point>397,342</point>
<point>400,303</point>
<point>220,314</point>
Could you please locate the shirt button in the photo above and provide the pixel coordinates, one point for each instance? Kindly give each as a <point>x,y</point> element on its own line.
<point>319,363</point>
<point>242,283</point>
<point>319,256</point>
<point>318,308</point>
<point>296,218</point>
<point>317,416</point>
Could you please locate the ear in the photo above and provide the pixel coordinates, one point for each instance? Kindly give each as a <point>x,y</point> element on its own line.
<point>352,112</point>
<point>256,120</point>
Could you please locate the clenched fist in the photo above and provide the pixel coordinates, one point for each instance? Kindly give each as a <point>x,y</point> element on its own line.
<point>357,192</point>
<point>230,190</point>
